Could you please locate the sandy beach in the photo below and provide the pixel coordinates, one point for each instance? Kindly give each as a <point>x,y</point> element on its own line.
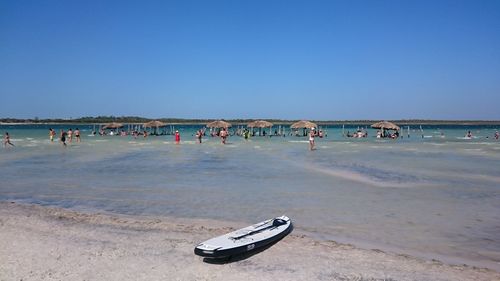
<point>46,243</point>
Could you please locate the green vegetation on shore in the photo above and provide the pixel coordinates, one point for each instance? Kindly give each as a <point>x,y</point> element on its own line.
<point>137,119</point>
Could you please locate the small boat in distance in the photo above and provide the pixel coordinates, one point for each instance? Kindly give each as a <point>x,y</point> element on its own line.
<point>246,239</point>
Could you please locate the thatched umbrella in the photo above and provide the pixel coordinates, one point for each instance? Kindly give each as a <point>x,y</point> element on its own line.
<point>154,123</point>
<point>384,125</point>
<point>112,125</point>
<point>260,124</point>
<point>303,125</point>
<point>218,124</point>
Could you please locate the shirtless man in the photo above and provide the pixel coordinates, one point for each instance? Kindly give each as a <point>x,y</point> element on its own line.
<point>63,137</point>
<point>199,135</point>
<point>223,135</point>
<point>51,135</point>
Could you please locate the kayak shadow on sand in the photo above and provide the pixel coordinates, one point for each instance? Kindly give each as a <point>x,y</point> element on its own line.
<point>243,256</point>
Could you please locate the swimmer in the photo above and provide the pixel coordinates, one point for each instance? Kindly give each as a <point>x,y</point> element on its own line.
<point>177,137</point>
<point>51,135</point>
<point>77,135</point>
<point>70,135</point>
<point>6,140</point>
<point>311,138</point>
<point>223,135</point>
<point>199,135</point>
<point>63,137</point>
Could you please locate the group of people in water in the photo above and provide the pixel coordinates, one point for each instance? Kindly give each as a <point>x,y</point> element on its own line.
<point>469,135</point>
<point>359,134</point>
<point>393,135</point>
<point>65,135</point>
<point>223,133</point>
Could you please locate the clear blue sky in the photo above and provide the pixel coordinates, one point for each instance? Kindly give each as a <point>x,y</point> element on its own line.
<point>321,60</point>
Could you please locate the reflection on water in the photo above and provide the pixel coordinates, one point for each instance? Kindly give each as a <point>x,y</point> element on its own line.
<point>436,197</point>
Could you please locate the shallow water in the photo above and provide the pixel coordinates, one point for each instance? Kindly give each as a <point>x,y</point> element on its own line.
<point>436,196</point>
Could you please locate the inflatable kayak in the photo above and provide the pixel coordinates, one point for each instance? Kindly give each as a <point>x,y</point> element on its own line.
<point>246,239</point>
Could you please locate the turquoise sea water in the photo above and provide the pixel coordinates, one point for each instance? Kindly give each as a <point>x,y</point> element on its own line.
<point>436,196</point>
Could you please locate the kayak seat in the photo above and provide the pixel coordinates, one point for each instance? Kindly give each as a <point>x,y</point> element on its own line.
<point>278,222</point>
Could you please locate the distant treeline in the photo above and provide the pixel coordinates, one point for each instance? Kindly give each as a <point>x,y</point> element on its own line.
<point>137,119</point>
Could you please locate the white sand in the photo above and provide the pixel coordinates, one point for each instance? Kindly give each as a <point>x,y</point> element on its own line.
<point>41,243</point>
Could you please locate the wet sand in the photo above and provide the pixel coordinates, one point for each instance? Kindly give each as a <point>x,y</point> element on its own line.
<point>46,243</point>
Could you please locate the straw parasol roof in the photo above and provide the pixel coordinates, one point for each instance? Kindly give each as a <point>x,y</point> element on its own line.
<point>113,125</point>
<point>303,124</point>
<point>385,125</point>
<point>260,124</point>
<point>218,124</point>
<point>154,123</point>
